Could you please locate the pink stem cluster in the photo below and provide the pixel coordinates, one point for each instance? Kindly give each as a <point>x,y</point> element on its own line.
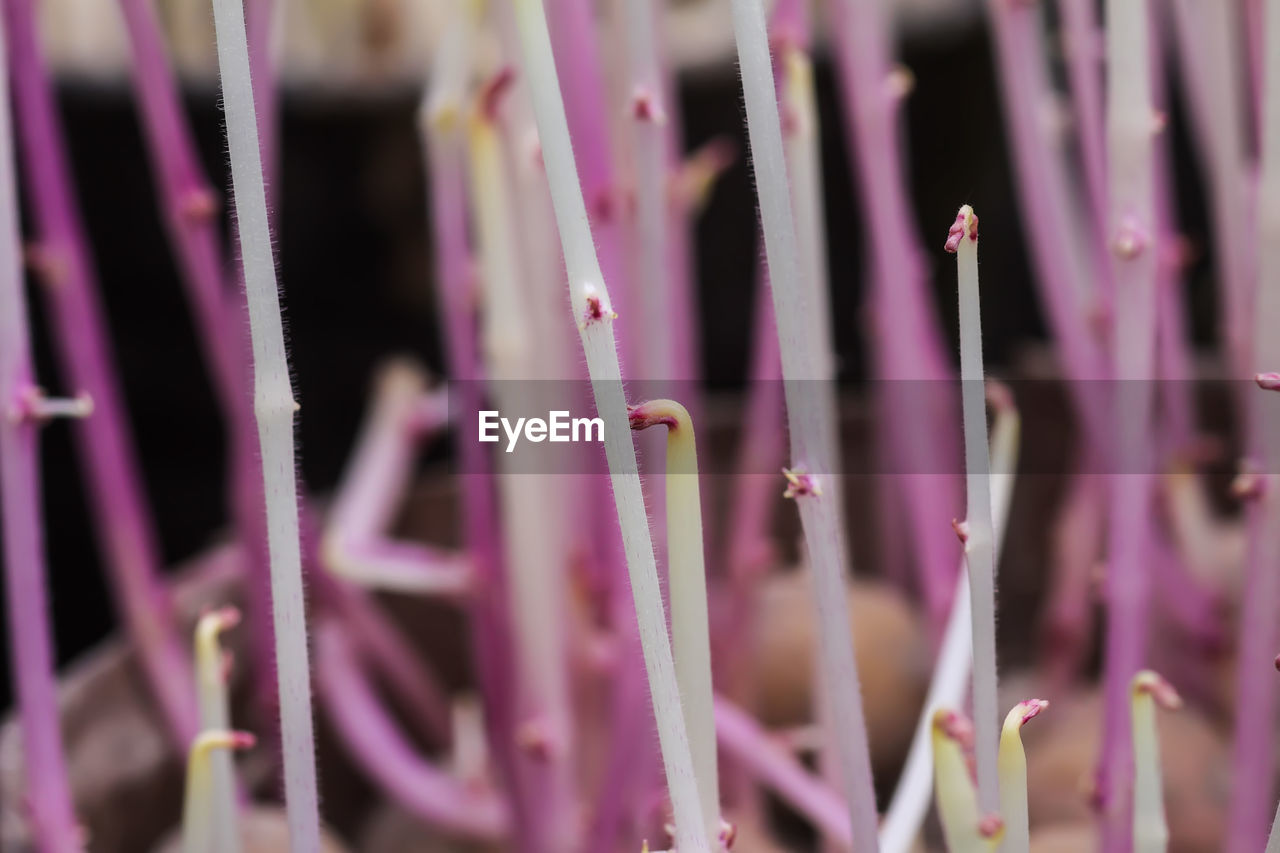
<point>48,789</point>
<point>124,527</point>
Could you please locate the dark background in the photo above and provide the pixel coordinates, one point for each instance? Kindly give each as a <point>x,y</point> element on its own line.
<point>355,263</point>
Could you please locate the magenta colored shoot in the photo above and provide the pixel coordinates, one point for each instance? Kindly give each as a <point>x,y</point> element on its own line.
<point>48,790</point>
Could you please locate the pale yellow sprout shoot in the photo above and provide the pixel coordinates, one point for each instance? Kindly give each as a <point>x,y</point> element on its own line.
<point>690,635</point>
<point>1150,830</point>
<point>1012,768</point>
<point>212,664</point>
<point>197,811</point>
<point>964,828</point>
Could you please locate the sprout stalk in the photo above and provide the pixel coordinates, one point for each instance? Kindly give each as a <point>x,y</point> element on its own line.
<point>212,666</point>
<point>812,420</point>
<point>687,585</point>
<point>593,311</point>
<point>274,409</point>
<point>979,537</point>
<point>950,679</point>
<point>48,790</point>
<point>964,826</point>
<point>125,530</point>
<point>1131,125</point>
<point>1150,830</point>
<point>1013,776</point>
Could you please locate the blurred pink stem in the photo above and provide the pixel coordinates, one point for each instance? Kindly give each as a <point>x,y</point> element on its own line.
<point>489,629</point>
<point>375,744</point>
<point>47,788</point>
<point>910,359</point>
<point>1059,255</point>
<point>191,215</point>
<point>125,530</point>
<point>759,754</point>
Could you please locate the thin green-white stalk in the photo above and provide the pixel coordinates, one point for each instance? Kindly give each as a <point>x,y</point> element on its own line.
<point>1150,830</point>
<point>1013,776</point>
<point>964,827</point>
<point>593,312</point>
<point>811,413</point>
<point>687,585</point>
<point>950,679</point>
<point>274,408</point>
<point>198,811</point>
<point>979,540</point>
<point>212,665</point>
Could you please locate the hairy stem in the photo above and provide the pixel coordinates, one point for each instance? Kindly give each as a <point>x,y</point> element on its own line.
<point>812,417</point>
<point>950,679</point>
<point>274,410</point>
<point>964,826</point>
<point>593,311</point>
<point>979,536</point>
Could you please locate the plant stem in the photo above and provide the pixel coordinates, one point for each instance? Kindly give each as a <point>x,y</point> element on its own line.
<point>1150,831</point>
<point>47,788</point>
<point>950,680</point>
<point>687,590</point>
<point>647,128</point>
<point>572,28</point>
<point>759,754</point>
<point>199,812</point>
<point>1013,776</point>
<point>212,667</point>
<point>1210,43</point>
<point>1131,223</point>
<point>1082,44</point>
<point>964,827</point>
<point>533,550</point>
<point>812,418</point>
<point>274,409</point>
<point>979,539</point>
<point>593,311</point>
<point>125,531</point>
<point>190,211</point>
<point>1256,690</point>
<point>1063,267</point>
<point>375,744</point>
<point>442,126</point>
<point>355,545</point>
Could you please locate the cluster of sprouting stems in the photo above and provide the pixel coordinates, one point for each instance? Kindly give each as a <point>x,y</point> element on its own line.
<point>526,138</point>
